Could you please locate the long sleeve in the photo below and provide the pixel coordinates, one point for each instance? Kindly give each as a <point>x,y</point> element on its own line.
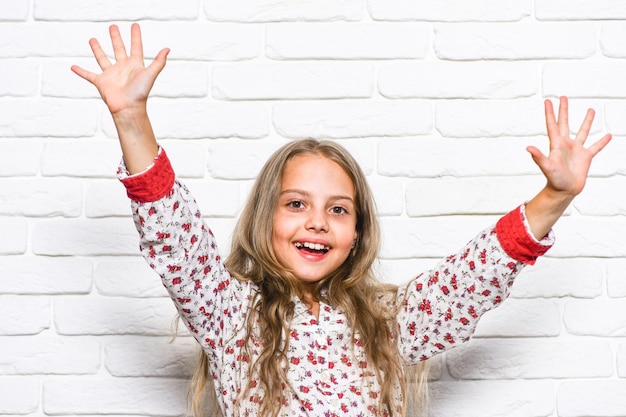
<point>179,246</point>
<point>441,308</point>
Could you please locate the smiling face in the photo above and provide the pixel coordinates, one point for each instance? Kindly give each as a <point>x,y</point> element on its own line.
<point>314,223</point>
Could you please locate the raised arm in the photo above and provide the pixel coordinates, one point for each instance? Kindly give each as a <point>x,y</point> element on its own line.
<point>565,168</point>
<point>124,86</point>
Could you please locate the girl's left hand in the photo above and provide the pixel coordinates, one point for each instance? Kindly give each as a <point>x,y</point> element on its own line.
<point>567,164</point>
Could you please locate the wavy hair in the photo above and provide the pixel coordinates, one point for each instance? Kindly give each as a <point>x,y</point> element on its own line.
<point>351,288</point>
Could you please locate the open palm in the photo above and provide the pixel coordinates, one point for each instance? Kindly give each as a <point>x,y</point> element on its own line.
<point>567,164</point>
<point>125,84</point>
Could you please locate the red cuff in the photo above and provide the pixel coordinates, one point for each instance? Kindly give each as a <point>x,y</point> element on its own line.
<point>516,241</point>
<point>152,184</point>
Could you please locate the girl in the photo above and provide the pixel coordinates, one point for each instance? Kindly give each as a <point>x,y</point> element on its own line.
<point>293,323</point>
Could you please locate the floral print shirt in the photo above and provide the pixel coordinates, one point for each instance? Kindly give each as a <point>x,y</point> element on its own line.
<point>328,372</point>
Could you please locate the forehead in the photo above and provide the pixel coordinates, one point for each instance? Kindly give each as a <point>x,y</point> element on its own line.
<point>316,171</point>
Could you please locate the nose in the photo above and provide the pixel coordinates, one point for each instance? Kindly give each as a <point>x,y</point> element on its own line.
<point>317,221</point>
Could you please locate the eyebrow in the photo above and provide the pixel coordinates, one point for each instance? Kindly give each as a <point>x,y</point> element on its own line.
<point>307,194</point>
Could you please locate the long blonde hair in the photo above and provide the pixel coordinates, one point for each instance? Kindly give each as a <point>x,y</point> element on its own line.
<point>351,288</point>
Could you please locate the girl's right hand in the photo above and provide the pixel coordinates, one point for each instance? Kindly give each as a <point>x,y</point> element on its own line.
<point>124,85</point>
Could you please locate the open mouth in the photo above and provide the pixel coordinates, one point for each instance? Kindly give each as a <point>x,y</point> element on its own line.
<point>312,247</point>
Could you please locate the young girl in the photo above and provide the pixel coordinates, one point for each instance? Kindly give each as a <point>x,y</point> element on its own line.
<point>293,323</point>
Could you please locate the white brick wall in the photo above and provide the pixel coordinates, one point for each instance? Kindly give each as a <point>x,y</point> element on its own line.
<point>436,99</point>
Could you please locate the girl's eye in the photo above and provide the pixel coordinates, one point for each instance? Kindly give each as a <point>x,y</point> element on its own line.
<point>338,210</point>
<point>295,204</point>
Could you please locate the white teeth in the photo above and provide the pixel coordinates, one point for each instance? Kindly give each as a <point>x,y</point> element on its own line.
<point>313,246</point>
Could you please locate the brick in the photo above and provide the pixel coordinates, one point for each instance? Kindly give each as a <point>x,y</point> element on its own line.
<point>111,10</point>
<point>227,205</point>
<point>37,198</point>
<point>37,118</point>
<point>85,237</point>
<point>522,318</point>
<point>477,195</point>
<point>579,10</point>
<point>491,398</point>
<point>429,237</point>
<point>127,277</point>
<point>421,157</point>
<point>589,236</point>
<point>449,11</point>
<point>531,358</point>
<point>14,11</point>
<point>114,316</point>
<point>105,199</point>
<point>14,232</point>
<point>220,42</point>
<point>188,158</point>
<point>591,398</point>
<point>237,159</point>
<point>19,157</point>
<point>349,119</point>
<point>611,40</point>
<point>401,271</point>
<point>130,396</point>
<point>601,79</point>
<point>45,275</point>
<point>346,41</point>
<point>621,361</point>
<point>598,317</point>
<point>91,158</point>
<point>200,120</point>
<point>49,39</point>
<point>489,118</point>
<point>363,151</point>
<point>279,11</point>
<point>471,80</point>
<point>20,78</point>
<point>614,123</point>
<point>313,80</point>
<point>49,355</point>
<point>599,197</point>
<point>24,315</point>
<point>19,395</point>
<point>388,195</point>
<point>615,279</point>
<point>558,278</point>
<point>513,42</point>
<point>151,357</point>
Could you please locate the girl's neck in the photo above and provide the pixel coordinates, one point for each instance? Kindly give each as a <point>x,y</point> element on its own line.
<point>312,303</point>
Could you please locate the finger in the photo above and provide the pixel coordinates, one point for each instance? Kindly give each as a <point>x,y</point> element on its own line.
<point>83,73</point>
<point>585,127</point>
<point>158,64</point>
<point>98,53</point>
<point>119,50</point>
<point>599,145</point>
<point>538,156</point>
<point>563,120</point>
<point>551,126</point>
<point>136,44</point>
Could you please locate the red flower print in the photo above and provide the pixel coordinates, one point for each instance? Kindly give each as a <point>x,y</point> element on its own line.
<point>425,306</point>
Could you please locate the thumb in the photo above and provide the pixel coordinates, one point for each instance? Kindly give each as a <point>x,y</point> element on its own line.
<point>158,64</point>
<point>537,155</point>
